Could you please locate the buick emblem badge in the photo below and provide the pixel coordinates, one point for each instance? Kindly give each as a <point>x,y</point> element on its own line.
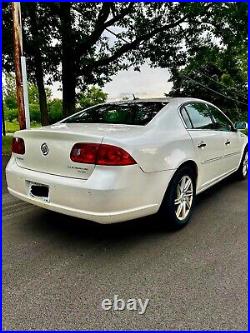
<point>44,149</point>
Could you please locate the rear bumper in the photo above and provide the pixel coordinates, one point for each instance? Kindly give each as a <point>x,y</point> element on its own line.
<point>111,194</point>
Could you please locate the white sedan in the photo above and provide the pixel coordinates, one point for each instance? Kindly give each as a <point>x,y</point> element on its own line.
<point>124,160</point>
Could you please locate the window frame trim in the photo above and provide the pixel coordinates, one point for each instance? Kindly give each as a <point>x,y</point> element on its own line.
<point>211,116</point>
<point>223,114</point>
<point>194,129</point>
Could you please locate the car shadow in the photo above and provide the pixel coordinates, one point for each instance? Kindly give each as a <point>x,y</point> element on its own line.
<point>62,227</point>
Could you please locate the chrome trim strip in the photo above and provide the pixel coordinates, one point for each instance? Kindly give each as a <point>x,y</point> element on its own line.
<point>220,157</point>
<point>232,154</point>
<point>212,160</point>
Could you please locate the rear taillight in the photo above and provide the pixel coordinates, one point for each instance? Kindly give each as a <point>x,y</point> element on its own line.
<point>100,154</point>
<point>112,155</point>
<point>84,153</point>
<point>18,146</point>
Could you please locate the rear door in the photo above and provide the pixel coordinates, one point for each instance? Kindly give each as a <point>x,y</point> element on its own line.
<point>232,138</point>
<point>209,144</point>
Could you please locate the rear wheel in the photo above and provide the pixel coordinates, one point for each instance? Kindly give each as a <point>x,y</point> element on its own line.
<point>177,205</point>
<point>242,172</point>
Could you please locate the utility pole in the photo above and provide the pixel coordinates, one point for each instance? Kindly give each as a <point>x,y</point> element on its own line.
<point>20,68</point>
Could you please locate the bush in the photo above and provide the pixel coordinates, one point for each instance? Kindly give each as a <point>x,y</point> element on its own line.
<point>6,144</point>
<point>35,113</point>
<point>10,114</point>
<point>55,110</point>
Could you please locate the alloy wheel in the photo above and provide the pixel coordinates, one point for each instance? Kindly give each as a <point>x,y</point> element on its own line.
<point>184,197</point>
<point>245,165</point>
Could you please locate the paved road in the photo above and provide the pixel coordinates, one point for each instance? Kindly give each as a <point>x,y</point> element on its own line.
<point>57,269</point>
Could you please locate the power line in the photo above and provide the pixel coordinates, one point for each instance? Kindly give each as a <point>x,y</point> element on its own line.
<point>223,85</point>
<point>216,92</point>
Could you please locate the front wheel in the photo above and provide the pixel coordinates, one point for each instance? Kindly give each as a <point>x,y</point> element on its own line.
<point>178,202</point>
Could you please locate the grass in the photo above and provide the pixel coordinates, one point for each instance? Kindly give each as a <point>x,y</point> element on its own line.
<point>13,126</point>
<point>6,144</point>
<point>245,131</point>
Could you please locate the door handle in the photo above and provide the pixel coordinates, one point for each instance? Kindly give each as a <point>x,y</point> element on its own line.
<point>227,142</point>
<point>201,144</point>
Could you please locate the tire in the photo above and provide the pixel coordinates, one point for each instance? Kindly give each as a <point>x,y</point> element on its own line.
<point>170,215</point>
<point>242,172</point>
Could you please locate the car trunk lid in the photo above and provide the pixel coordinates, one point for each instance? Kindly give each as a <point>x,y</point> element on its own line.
<point>47,149</point>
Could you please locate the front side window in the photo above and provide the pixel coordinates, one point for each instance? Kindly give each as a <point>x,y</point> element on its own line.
<point>221,122</point>
<point>138,113</point>
<point>199,116</point>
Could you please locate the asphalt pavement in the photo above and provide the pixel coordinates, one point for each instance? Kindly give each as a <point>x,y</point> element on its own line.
<point>57,270</point>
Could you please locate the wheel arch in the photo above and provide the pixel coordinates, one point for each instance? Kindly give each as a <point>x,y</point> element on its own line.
<point>189,163</point>
<point>193,165</point>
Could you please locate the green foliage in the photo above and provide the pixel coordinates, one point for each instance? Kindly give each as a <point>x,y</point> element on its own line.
<point>188,38</point>
<point>13,126</point>
<point>10,114</point>
<point>55,110</point>
<point>245,131</point>
<point>9,92</point>
<point>217,71</point>
<point>10,105</point>
<point>6,144</point>
<point>92,96</point>
<point>35,114</point>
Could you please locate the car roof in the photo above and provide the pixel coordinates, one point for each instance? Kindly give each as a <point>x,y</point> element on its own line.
<point>159,100</point>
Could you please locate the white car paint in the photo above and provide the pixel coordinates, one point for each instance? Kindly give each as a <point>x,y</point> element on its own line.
<point>108,194</point>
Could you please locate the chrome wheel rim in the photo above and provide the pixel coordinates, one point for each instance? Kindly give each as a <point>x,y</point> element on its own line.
<point>184,197</point>
<point>245,165</point>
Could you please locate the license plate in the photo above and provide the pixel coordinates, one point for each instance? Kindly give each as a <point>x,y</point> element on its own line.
<point>38,191</point>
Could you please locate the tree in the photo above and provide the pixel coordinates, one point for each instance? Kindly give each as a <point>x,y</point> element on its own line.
<point>92,96</point>
<point>211,69</point>
<point>37,37</point>
<point>92,41</point>
<point>9,98</point>
<point>215,64</point>
<point>9,92</point>
<point>35,45</point>
<point>87,55</point>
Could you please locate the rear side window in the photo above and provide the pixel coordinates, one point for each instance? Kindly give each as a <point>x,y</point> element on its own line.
<point>138,113</point>
<point>221,122</point>
<point>186,119</point>
<point>199,115</point>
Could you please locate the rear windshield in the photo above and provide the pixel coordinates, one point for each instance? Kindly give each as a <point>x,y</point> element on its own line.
<point>121,113</point>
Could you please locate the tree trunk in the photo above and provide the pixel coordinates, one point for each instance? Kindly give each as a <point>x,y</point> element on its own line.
<point>68,62</point>
<point>39,74</point>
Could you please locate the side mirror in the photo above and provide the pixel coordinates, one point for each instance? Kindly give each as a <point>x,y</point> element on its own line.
<point>241,125</point>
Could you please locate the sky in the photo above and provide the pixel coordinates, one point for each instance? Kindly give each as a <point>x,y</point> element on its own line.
<point>150,82</point>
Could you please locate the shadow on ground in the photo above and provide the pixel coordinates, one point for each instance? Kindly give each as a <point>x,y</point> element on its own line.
<point>74,229</point>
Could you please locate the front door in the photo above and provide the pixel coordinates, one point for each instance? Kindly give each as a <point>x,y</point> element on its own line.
<point>209,144</point>
<point>232,142</point>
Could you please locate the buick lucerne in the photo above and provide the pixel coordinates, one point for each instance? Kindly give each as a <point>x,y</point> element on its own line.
<point>123,160</point>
